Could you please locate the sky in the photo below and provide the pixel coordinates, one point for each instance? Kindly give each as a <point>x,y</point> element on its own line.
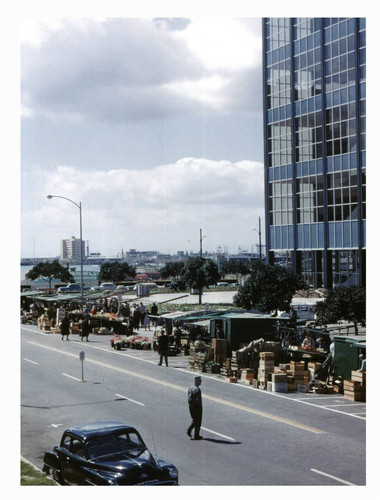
<point>153,124</point>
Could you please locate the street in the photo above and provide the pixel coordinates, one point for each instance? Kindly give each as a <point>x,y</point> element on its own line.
<point>250,437</point>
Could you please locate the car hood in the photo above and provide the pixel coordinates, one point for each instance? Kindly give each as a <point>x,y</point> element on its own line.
<point>131,470</point>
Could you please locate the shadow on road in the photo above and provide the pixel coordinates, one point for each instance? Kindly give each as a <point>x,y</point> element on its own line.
<point>220,441</point>
<point>75,404</point>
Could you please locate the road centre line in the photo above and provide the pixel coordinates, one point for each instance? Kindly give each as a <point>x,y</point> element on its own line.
<point>30,361</point>
<point>185,389</point>
<point>333,477</point>
<point>129,399</point>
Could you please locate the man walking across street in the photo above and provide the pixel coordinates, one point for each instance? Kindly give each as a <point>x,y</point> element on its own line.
<point>195,408</point>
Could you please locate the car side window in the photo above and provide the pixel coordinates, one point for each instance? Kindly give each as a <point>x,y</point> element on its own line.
<point>66,443</point>
<point>77,447</point>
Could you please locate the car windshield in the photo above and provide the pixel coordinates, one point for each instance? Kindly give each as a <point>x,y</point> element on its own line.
<point>127,442</point>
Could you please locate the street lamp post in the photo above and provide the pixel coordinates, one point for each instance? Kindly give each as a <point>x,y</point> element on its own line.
<point>50,196</point>
<point>200,242</point>
<point>259,238</point>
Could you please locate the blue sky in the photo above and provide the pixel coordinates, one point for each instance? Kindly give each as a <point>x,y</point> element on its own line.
<point>153,123</point>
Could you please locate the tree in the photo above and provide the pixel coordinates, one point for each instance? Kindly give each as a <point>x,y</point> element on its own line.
<point>268,288</point>
<point>347,303</point>
<point>49,271</point>
<point>172,270</point>
<point>116,272</point>
<point>234,267</point>
<point>199,272</point>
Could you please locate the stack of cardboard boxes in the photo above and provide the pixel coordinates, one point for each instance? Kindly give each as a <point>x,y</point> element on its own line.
<point>266,367</point>
<point>44,323</point>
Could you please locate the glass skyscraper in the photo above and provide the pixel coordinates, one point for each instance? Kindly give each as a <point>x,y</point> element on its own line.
<point>314,86</point>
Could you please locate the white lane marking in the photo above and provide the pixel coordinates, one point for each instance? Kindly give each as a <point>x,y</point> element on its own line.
<point>56,425</point>
<point>319,397</point>
<point>333,477</point>
<point>359,413</point>
<point>347,404</point>
<point>217,433</point>
<point>30,361</point>
<point>299,400</point>
<point>129,399</point>
<point>35,331</point>
<point>70,376</point>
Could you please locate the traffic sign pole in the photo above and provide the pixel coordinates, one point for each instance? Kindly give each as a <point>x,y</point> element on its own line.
<point>81,357</point>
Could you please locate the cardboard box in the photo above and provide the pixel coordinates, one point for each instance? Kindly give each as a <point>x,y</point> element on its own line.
<point>266,355</point>
<point>232,380</point>
<point>247,381</point>
<point>291,387</point>
<point>279,378</point>
<point>297,367</point>
<point>219,346</point>
<point>280,387</point>
<point>314,366</point>
<point>302,388</point>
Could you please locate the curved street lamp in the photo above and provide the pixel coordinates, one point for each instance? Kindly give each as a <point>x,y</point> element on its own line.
<point>49,197</point>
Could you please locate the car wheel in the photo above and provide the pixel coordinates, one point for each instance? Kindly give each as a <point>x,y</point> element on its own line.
<point>57,476</point>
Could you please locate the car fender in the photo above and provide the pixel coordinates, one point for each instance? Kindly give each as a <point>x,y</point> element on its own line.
<point>51,461</point>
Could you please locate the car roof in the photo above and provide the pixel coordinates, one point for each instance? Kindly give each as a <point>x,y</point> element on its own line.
<point>98,428</point>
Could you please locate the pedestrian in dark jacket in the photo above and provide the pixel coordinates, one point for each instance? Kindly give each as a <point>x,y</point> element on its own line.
<point>136,318</point>
<point>65,327</point>
<point>195,407</point>
<point>85,328</point>
<point>163,346</point>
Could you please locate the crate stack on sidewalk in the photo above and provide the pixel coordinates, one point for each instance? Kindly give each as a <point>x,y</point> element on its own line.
<point>355,389</point>
<point>266,367</point>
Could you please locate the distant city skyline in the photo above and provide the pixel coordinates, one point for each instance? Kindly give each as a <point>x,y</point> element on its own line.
<point>153,124</point>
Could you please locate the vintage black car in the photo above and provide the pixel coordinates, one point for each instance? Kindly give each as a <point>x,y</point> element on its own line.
<point>107,453</point>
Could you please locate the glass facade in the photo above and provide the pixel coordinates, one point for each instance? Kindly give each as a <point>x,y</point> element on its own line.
<point>314,76</point>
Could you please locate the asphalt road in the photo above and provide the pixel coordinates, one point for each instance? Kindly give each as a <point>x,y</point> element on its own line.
<point>251,437</point>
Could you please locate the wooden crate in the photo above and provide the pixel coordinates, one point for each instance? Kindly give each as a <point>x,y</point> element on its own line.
<point>358,376</point>
<point>231,380</point>
<point>355,395</point>
<point>266,355</point>
<point>352,385</point>
<point>278,378</point>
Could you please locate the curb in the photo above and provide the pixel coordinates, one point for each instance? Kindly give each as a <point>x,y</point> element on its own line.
<point>26,461</point>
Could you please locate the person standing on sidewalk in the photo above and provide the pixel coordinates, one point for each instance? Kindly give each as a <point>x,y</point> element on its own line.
<point>195,408</point>
<point>163,346</point>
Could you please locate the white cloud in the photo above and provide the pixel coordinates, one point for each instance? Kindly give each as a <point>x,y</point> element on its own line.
<point>161,208</point>
<point>223,43</point>
<point>121,69</point>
